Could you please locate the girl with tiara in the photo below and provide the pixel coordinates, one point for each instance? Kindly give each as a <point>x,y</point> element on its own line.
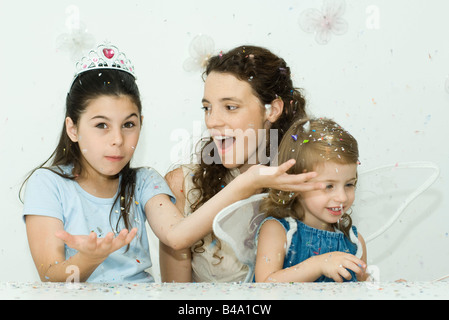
<point>85,211</point>
<point>308,236</point>
<point>247,90</point>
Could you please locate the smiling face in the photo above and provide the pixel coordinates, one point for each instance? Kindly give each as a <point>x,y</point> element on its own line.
<point>235,117</point>
<point>107,134</point>
<point>322,208</point>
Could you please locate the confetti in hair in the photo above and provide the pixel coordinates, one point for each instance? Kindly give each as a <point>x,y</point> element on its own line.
<point>306,127</point>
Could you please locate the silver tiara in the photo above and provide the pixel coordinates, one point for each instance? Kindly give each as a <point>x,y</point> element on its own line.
<point>105,56</point>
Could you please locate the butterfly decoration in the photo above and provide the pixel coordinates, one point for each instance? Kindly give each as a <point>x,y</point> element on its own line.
<point>75,42</point>
<point>326,22</point>
<point>201,49</point>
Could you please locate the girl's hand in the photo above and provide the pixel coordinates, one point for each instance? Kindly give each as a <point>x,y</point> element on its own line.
<point>335,264</point>
<point>277,178</point>
<point>97,249</point>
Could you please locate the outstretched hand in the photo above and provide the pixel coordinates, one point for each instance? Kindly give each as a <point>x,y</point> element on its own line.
<point>97,248</point>
<point>278,178</point>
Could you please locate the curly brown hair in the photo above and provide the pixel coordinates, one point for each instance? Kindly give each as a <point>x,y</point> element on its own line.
<point>270,79</point>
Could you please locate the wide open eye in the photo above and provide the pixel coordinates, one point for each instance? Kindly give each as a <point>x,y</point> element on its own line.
<point>101,125</point>
<point>129,125</point>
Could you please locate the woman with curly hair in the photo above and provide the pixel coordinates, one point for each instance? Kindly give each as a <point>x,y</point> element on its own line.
<point>249,101</point>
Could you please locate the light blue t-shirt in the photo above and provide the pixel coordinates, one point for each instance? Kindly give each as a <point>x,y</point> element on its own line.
<point>48,194</point>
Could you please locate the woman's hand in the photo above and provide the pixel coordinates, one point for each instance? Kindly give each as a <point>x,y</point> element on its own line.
<point>278,178</point>
<point>97,249</point>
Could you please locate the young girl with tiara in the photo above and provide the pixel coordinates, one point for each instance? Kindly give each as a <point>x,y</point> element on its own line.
<point>308,236</point>
<point>85,212</point>
<point>247,90</point>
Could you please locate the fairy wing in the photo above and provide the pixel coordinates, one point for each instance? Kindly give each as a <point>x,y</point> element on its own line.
<point>237,225</point>
<point>383,193</point>
<point>388,189</point>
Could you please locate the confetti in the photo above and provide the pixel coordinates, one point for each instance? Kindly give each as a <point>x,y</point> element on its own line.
<point>213,243</point>
<point>306,126</point>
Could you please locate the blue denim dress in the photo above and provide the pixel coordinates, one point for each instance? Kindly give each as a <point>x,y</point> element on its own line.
<point>304,242</point>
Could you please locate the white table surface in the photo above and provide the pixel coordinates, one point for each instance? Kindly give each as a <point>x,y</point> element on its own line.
<point>225,291</point>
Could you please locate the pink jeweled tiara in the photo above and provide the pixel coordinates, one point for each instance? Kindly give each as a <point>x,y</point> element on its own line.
<point>105,56</point>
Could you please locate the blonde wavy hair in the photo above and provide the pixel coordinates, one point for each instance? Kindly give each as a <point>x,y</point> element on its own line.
<point>311,142</point>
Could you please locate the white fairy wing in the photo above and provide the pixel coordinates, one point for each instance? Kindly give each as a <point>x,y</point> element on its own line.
<point>237,225</point>
<point>383,193</point>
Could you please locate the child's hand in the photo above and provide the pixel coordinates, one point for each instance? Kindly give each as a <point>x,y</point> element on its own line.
<point>335,264</point>
<point>94,248</point>
<point>277,178</point>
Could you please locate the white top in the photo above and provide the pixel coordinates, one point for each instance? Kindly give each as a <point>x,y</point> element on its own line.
<point>205,267</point>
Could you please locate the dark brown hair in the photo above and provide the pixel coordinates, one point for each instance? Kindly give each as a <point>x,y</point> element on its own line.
<point>270,79</point>
<point>88,86</point>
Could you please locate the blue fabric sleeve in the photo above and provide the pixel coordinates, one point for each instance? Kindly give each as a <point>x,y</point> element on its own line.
<point>42,195</point>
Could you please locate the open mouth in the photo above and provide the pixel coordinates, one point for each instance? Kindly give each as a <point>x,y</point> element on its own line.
<point>224,143</point>
<point>335,211</point>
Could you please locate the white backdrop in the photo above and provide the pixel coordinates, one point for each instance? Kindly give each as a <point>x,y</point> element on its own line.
<point>383,80</point>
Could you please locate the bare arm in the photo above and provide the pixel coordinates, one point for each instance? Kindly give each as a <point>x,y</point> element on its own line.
<point>170,226</point>
<point>46,238</point>
<point>364,276</point>
<point>270,258</point>
<point>271,254</point>
<point>175,264</point>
